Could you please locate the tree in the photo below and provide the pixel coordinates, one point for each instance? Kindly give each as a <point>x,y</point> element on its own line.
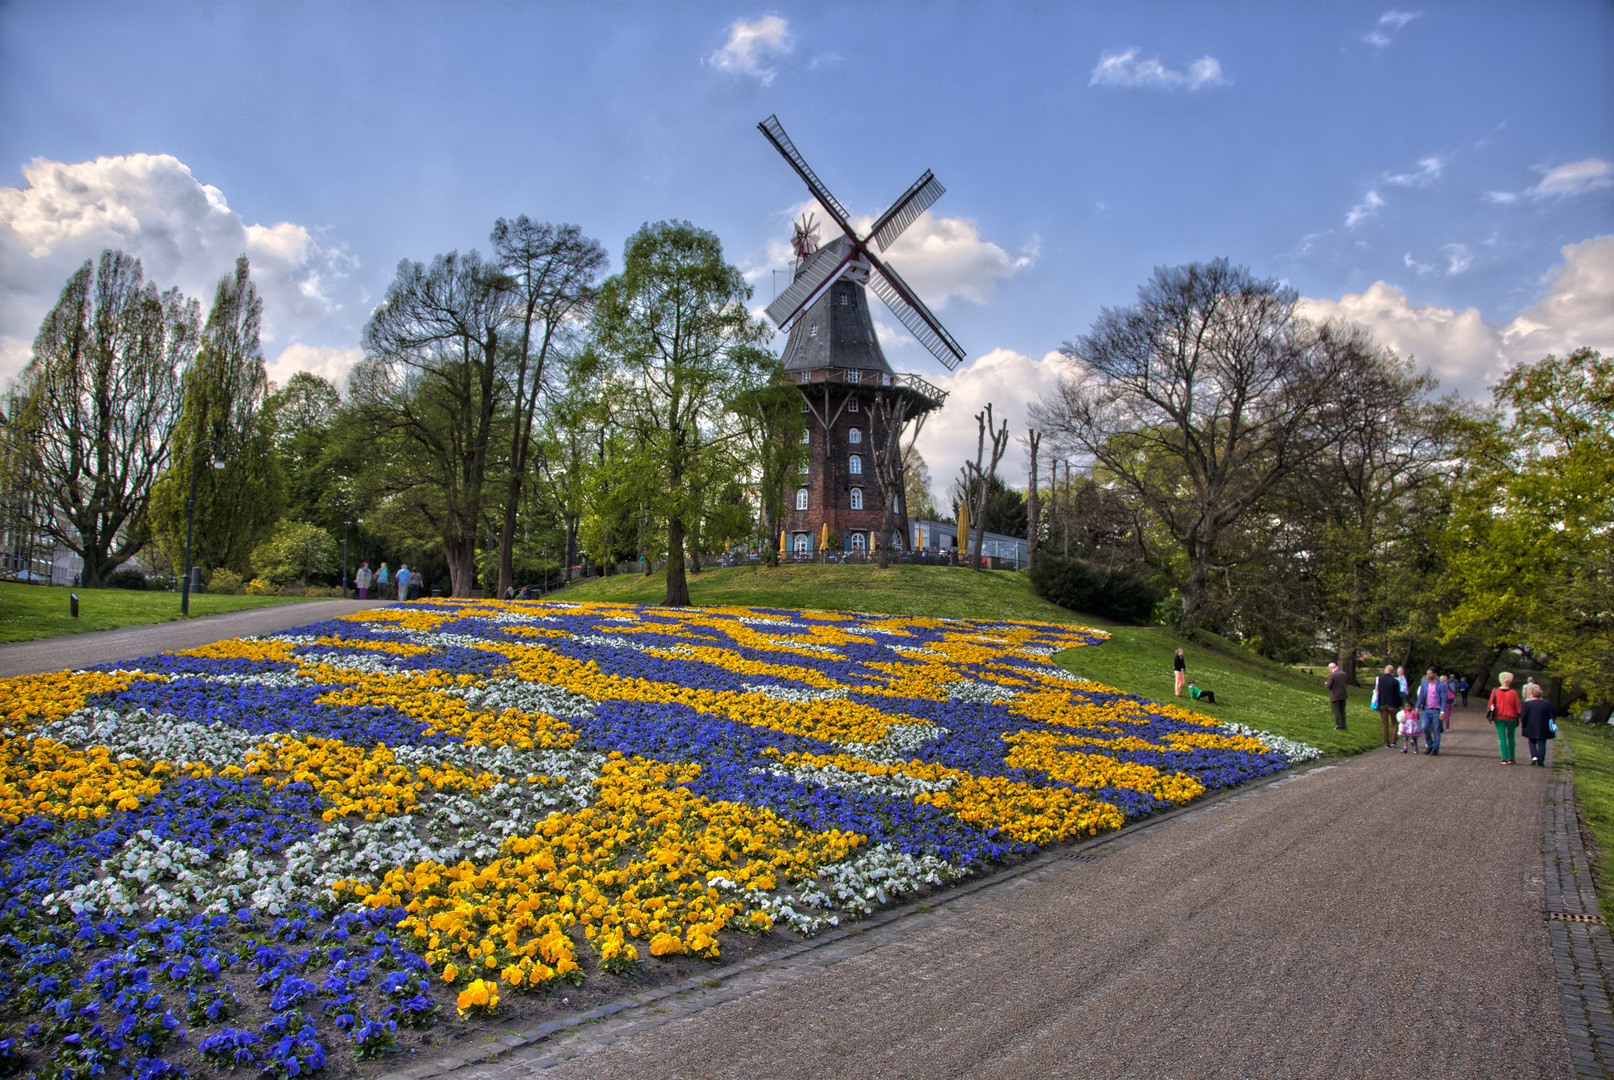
<point>890,417</point>
<point>977,486</point>
<point>224,418</point>
<point>303,413</point>
<point>1197,400</point>
<point>93,413</point>
<point>674,327</point>
<point>297,551</point>
<point>1033,520</point>
<point>429,392</point>
<point>916,493</point>
<point>554,270</point>
<point>1528,543</point>
<point>771,421</point>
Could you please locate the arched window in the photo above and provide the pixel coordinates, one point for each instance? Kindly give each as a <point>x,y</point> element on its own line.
<point>857,498</point>
<point>855,435</point>
<point>896,504</point>
<point>802,544</point>
<point>801,498</point>
<point>896,541</point>
<point>854,465</point>
<point>858,543</point>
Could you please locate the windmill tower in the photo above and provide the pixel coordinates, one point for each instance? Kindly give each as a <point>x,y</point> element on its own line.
<point>852,396</point>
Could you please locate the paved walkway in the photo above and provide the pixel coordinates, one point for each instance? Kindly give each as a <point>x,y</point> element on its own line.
<point>132,642</point>
<point>1380,918</point>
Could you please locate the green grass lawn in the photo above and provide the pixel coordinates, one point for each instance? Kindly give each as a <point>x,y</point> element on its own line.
<point>1249,690</point>
<point>1592,753</point>
<point>28,612</point>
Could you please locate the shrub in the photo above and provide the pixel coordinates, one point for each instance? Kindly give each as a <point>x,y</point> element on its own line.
<point>296,552</point>
<point>1115,592</point>
<point>224,582</point>
<point>126,579</point>
<point>260,587</point>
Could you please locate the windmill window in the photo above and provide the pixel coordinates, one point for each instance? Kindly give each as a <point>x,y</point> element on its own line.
<point>801,498</point>
<point>857,498</point>
<point>851,405</point>
<point>858,542</point>
<point>854,465</point>
<point>855,435</point>
<point>896,505</point>
<point>802,544</point>
<point>812,331</point>
<point>843,299</point>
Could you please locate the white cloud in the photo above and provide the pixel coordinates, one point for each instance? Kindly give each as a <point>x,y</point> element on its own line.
<point>1363,210</point>
<point>327,363</point>
<point>1427,172</point>
<point>1562,181</point>
<point>1414,264</point>
<point>1011,381</point>
<point>1457,259</point>
<point>752,45</point>
<point>1468,352</point>
<point>1125,69</point>
<point>183,231</point>
<point>1385,29</point>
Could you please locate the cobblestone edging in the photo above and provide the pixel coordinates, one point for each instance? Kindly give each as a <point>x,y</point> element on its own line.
<point>1582,949</point>
<point>520,1054</point>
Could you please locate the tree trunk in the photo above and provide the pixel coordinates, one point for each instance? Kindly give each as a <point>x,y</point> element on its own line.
<point>1033,440</point>
<point>1478,687</point>
<point>461,555</point>
<point>1350,637</point>
<point>677,583</point>
<point>571,546</point>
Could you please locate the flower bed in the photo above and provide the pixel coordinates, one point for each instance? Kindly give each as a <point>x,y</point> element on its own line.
<point>261,851</point>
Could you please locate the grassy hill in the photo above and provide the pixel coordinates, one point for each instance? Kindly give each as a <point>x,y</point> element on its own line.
<point>1249,690</point>
<point>28,612</point>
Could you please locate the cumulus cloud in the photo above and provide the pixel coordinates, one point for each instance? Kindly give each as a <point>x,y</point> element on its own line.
<point>752,46</point>
<point>1365,209</point>
<point>1011,381</point>
<point>1384,31</point>
<point>1125,69</point>
<point>183,231</point>
<point>327,363</point>
<point>1563,181</point>
<point>1468,352</point>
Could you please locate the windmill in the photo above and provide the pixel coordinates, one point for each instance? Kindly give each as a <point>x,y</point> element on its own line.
<point>849,255</point>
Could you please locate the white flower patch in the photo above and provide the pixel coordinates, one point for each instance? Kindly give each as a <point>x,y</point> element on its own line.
<point>1297,751</point>
<point>898,785</point>
<point>978,693</point>
<point>497,695</point>
<point>915,650</point>
<point>519,617</point>
<point>796,696</point>
<point>900,741</point>
<point>777,624</point>
<point>876,876</point>
<point>155,737</point>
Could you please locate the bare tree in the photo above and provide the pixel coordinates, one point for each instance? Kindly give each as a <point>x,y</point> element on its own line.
<point>94,410</point>
<point>890,417</point>
<point>1197,400</point>
<point>1033,440</point>
<point>554,268</point>
<point>978,481</point>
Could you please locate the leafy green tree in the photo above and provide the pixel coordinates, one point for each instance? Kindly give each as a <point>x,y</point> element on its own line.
<point>91,417</point>
<point>317,488</point>
<point>297,551</point>
<point>1005,509</point>
<point>681,347</point>
<point>224,419</point>
<point>1529,538</point>
<point>917,496</point>
<point>771,422</point>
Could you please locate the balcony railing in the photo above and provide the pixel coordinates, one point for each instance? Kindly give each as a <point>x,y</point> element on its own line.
<point>858,377</point>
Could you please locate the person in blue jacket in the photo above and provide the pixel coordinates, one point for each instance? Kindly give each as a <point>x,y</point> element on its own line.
<point>1433,699</point>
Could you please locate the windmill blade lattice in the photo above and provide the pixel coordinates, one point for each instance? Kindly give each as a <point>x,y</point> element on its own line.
<point>915,201</point>
<point>825,264</point>
<point>912,313</point>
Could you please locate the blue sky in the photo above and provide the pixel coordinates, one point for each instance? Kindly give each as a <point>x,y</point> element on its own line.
<point>1442,173</point>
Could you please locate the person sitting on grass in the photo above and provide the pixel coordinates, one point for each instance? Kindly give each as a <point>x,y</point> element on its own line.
<point>1207,696</point>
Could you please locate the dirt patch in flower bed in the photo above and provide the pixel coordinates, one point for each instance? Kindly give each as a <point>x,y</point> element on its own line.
<point>323,845</point>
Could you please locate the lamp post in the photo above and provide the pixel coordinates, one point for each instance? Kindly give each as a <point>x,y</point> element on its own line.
<point>190,522</point>
<point>345,524</point>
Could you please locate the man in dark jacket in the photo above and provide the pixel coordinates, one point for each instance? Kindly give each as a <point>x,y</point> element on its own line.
<point>1336,694</point>
<point>1387,692</point>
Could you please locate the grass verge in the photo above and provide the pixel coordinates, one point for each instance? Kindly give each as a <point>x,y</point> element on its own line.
<point>29,612</point>
<point>1137,660</point>
<point>1592,753</point>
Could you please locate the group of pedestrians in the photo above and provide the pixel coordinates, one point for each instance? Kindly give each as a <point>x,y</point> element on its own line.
<point>1405,715</point>
<point>382,578</point>
<point>1533,713</point>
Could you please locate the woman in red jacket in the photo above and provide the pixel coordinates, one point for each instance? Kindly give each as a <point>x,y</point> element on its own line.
<point>1504,709</point>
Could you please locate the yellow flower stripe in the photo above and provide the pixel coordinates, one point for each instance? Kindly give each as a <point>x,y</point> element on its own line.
<point>29,700</point>
<point>1044,751</point>
<point>634,864</point>
<point>43,776</point>
<point>422,699</point>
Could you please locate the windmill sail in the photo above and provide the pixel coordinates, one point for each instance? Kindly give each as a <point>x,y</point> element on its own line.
<point>775,133</point>
<point>823,266</point>
<point>915,201</point>
<point>912,313</point>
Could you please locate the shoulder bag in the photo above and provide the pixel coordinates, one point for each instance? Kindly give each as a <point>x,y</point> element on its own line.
<point>1490,711</point>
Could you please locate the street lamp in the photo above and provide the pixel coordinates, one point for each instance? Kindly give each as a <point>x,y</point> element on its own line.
<point>190,521</point>
<point>345,524</point>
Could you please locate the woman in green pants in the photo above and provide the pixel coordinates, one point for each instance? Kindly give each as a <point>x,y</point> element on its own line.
<point>1504,709</point>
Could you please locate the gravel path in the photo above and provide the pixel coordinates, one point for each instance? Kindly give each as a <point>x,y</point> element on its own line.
<point>1380,918</point>
<point>131,642</point>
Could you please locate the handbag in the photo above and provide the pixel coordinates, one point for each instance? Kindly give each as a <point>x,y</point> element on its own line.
<point>1490,711</point>
<point>1552,729</point>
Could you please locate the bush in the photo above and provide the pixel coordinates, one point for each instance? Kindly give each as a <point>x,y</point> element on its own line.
<point>224,582</point>
<point>1118,592</point>
<point>296,552</point>
<point>126,579</point>
<point>260,587</point>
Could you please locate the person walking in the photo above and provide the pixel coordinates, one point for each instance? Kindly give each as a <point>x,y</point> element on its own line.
<point>362,580</point>
<point>1504,710</point>
<point>1431,701</point>
<point>1336,694</point>
<point>1180,667</point>
<point>1462,689</point>
<point>403,581</point>
<point>1451,696</point>
<point>1387,699</point>
<point>1411,726</point>
<point>1536,723</point>
<point>381,582</point>
<point>1401,677</point>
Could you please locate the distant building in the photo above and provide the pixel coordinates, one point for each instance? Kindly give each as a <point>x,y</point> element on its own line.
<point>941,535</point>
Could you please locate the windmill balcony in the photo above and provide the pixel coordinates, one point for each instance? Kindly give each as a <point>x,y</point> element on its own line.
<point>932,394</point>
